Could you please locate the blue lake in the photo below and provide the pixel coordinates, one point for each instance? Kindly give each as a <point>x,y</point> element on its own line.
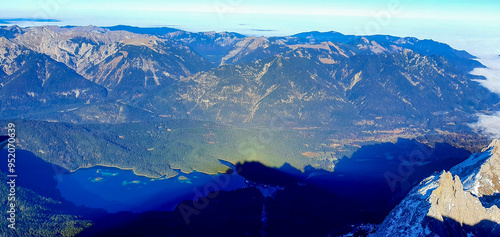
<point>117,190</point>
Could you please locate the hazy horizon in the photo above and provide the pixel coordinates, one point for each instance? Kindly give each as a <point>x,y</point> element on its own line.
<point>422,19</point>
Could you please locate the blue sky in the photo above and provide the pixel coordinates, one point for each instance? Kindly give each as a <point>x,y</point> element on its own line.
<point>421,18</point>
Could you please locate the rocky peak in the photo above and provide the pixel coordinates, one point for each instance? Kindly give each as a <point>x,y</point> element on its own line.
<point>77,47</point>
<point>10,31</point>
<point>450,200</point>
<point>243,48</point>
<point>495,144</point>
<point>481,172</point>
<point>459,202</point>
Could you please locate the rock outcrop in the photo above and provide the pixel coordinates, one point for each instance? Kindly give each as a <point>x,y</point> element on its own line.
<point>459,202</point>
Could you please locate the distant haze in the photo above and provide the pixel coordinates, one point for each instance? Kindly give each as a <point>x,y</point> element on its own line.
<point>422,18</point>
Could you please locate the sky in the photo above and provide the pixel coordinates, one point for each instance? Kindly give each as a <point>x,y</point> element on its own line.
<point>421,18</point>
<point>472,25</point>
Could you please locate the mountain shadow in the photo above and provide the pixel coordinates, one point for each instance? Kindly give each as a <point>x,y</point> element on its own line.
<point>384,173</point>
<point>235,213</point>
<point>451,228</point>
<point>40,176</point>
<point>491,200</point>
<point>35,173</point>
<point>362,189</point>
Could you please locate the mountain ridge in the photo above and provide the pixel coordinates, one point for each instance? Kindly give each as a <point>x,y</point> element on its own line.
<point>450,203</point>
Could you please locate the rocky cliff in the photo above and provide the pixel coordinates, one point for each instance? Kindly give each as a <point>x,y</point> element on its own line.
<point>459,202</point>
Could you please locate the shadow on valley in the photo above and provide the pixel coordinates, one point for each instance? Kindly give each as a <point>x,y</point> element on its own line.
<point>491,200</point>
<point>35,173</point>
<point>39,176</point>
<point>362,189</point>
<point>235,213</point>
<point>451,228</point>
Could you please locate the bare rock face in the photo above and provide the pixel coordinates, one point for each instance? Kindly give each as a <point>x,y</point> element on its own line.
<point>450,200</point>
<point>145,63</point>
<point>243,48</point>
<point>444,205</point>
<point>487,180</point>
<point>9,51</point>
<point>78,47</point>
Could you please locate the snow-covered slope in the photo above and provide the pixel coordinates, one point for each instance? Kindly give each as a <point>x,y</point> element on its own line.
<point>459,202</point>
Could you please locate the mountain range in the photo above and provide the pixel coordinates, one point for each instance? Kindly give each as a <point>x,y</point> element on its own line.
<point>339,90</point>
<point>311,79</point>
<point>162,100</point>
